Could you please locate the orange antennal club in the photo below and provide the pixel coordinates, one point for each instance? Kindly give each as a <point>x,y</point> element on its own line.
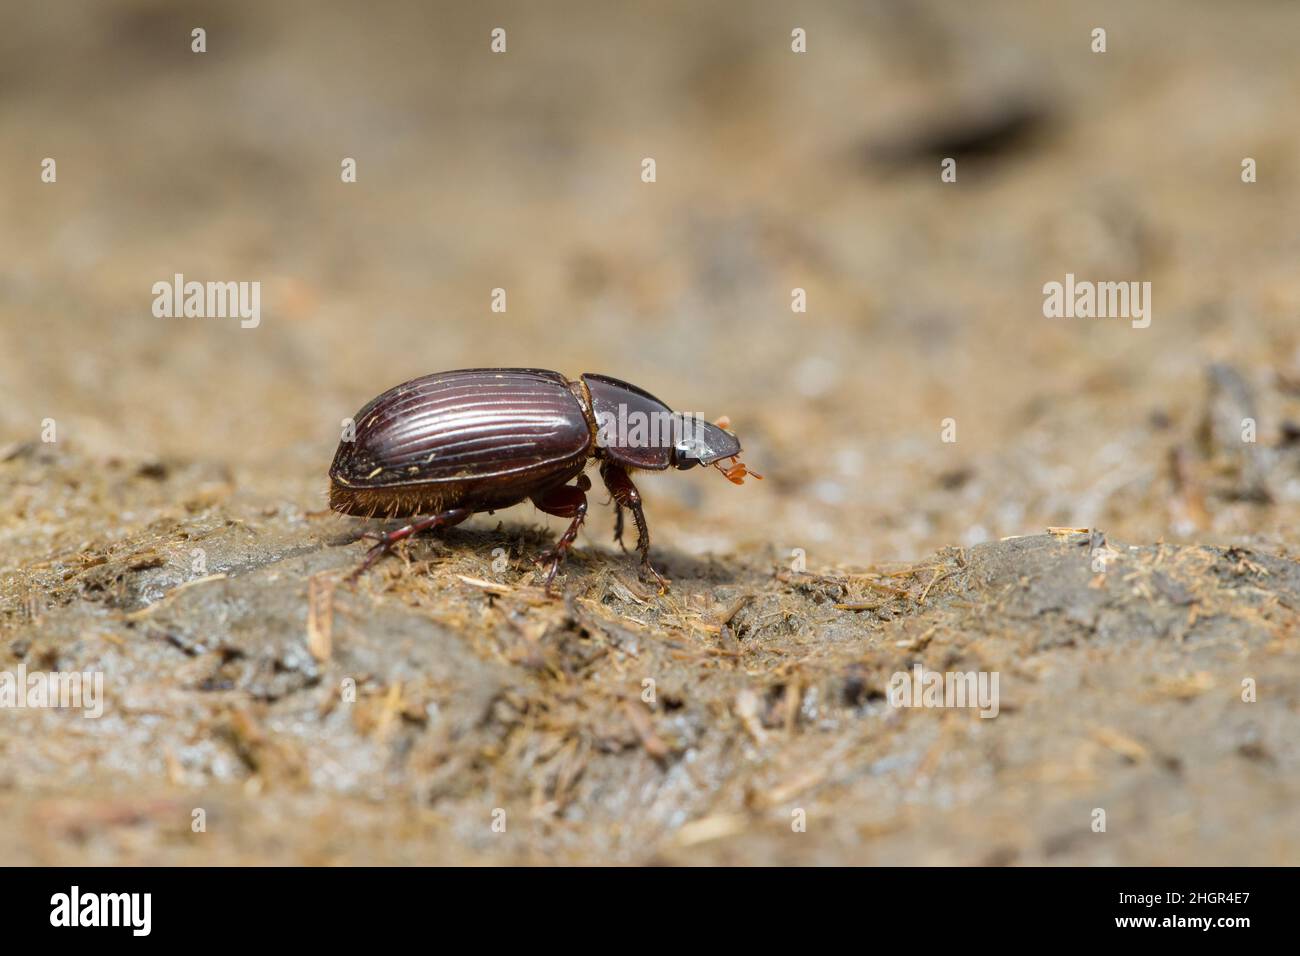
<point>737,472</point>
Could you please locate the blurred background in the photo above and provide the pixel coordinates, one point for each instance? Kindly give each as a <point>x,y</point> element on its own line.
<point>775,171</point>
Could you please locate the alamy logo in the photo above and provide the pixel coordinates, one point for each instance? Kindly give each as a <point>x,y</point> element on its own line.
<point>923,688</point>
<point>103,909</point>
<point>82,690</point>
<point>1098,300</point>
<point>632,428</point>
<point>209,300</point>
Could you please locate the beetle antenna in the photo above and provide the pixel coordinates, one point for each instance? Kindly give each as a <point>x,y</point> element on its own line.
<point>736,472</point>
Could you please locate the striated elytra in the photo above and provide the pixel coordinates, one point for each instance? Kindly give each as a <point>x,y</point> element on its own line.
<point>445,446</point>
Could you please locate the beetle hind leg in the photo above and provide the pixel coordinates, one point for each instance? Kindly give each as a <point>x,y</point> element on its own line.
<point>386,540</point>
<point>567,501</point>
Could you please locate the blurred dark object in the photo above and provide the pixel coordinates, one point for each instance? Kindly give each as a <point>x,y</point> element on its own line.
<point>990,130</point>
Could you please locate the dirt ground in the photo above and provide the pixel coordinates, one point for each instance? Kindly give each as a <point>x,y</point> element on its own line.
<point>920,428</point>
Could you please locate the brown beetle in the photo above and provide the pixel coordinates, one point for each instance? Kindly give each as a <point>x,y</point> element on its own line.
<point>451,444</point>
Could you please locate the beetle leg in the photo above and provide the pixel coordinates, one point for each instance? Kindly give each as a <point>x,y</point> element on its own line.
<point>567,501</point>
<point>625,495</point>
<point>443,519</point>
<point>618,526</point>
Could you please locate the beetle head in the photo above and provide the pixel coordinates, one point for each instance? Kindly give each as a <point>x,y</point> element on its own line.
<point>697,442</point>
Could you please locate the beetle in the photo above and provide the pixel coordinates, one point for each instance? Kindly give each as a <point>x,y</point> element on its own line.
<point>448,445</point>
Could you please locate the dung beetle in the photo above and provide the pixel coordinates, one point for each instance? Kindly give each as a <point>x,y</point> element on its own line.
<point>445,446</point>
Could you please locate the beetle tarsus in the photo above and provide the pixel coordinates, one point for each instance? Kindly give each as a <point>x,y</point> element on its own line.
<point>551,558</point>
<point>648,568</point>
<point>386,540</point>
<point>374,554</point>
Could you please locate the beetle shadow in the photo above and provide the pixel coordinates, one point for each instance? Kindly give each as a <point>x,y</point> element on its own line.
<point>521,542</point>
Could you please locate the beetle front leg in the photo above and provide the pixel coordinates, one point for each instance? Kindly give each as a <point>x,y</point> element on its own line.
<point>443,519</point>
<point>567,501</point>
<point>625,495</point>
